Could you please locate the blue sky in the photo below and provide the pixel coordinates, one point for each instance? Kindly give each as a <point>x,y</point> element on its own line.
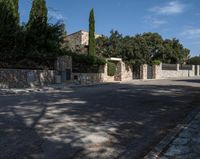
<point>170,18</point>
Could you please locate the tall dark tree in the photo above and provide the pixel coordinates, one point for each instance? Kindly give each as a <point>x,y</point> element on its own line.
<point>38,15</point>
<point>37,28</point>
<point>8,28</point>
<point>16,5</point>
<point>92,41</point>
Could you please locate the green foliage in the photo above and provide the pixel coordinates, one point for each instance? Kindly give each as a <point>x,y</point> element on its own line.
<point>156,62</point>
<point>173,52</point>
<point>35,44</point>
<point>16,7</point>
<point>110,46</point>
<point>194,60</point>
<point>37,27</point>
<point>92,41</point>
<point>8,29</point>
<point>100,61</point>
<point>87,60</point>
<point>83,63</point>
<point>38,16</point>
<point>142,48</point>
<point>111,69</point>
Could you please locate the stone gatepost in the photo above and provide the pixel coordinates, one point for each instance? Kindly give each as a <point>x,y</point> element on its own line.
<point>178,67</point>
<point>143,73</point>
<point>105,73</point>
<point>63,66</point>
<point>157,71</point>
<point>193,70</point>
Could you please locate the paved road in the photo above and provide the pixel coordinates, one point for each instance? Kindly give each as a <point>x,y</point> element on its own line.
<point>111,121</point>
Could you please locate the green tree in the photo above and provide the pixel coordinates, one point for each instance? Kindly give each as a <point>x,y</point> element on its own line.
<point>44,41</point>
<point>174,52</point>
<point>110,46</point>
<point>154,45</point>
<point>37,28</point>
<point>92,40</point>
<point>8,29</point>
<point>38,15</point>
<point>194,60</point>
<point>102,44</point>
<point>142,48</point>
<point>16,6</point>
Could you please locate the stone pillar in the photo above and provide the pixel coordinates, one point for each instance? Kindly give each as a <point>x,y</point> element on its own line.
<point>157,71</point>
<point>63,64</point>
<point>104,75</point>
<point>193,70</point>
<point>177,67</point>
<point>144,72</point>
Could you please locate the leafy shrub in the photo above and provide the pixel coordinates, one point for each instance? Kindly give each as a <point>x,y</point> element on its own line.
<point>194,60</point>
<point>86,64</point>
<point>156,62</point>
<point>100,61</point>
<point>88,60</point>
<point>111,69</point>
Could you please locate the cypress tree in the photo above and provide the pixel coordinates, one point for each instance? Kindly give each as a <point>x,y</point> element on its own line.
<point>92,40</point>
<point>16,7</point>
<point>37,28</point>
<point>38,15</point>
<point>8,27</point>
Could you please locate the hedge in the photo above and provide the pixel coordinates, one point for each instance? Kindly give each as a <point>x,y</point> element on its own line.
<point>111,69</point>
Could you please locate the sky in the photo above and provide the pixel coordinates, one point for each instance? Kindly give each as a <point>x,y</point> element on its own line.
<point>171,18</point>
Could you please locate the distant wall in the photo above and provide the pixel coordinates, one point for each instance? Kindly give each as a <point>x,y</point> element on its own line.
<point>124,74</point>
<point>89,78</point>
<point>21,78</point>
<point>161,73</point>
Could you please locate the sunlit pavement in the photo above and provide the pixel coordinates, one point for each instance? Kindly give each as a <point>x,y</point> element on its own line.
<point>108,121</point>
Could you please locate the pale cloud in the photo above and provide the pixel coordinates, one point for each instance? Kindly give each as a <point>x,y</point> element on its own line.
<point>56,15</point>
<point>155,22</point>
<point>173,7</point>
<point>191,33</point>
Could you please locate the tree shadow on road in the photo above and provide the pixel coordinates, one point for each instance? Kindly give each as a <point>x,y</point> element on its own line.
<point>112,121</point>
<point>189,80</point>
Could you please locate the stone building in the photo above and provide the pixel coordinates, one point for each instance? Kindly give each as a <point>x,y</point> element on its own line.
<point>78,41</point>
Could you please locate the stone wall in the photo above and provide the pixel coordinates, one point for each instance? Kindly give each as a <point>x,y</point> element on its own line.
<point>165,74</point>
<point>88,78</point>
<point>126,72</point>
<point>21,78</point>
<point>62,63</point>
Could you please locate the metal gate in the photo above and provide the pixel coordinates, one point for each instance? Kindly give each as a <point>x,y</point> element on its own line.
<point>136,71</point>
<point>150,72</point>
<point>65,75</point>
<point>196,70</point>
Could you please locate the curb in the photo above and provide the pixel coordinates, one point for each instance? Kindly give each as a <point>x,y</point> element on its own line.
<point>164,143</point>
